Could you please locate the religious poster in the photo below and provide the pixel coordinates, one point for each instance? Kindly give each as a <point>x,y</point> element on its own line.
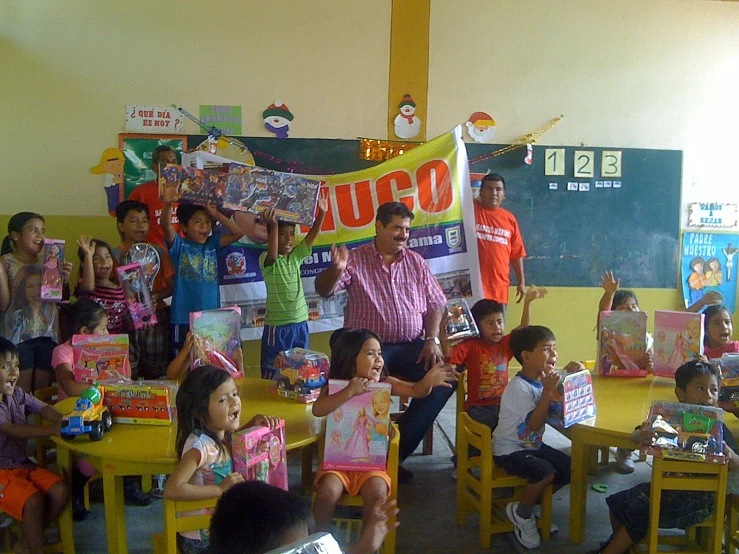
<point>708,264</point>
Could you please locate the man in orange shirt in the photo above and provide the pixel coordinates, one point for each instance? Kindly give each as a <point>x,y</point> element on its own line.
<point>499,241</point>
<point>148,193</point>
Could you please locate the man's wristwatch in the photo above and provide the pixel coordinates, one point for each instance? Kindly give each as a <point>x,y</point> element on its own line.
<point>436,340</point>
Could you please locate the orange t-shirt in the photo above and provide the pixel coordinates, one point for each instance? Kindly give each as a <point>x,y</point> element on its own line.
<point>487,369</point>
<point>499,242</point>
<point>148,193</point>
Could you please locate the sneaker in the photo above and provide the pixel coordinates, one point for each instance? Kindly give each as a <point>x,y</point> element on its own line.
<point>133,494</point>
<point>454,474</point>
<point>553,529</point>
<point>79,512</point>
<point>524,529</point>
<point>624,463</point>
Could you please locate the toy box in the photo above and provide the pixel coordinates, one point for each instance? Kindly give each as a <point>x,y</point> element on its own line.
<point>460,323</point>
<point>300,374</point>
<point>217,335</point>
<point>100,358</point>
<point>201,186</point>
<point>138,297</point>
<point>573,401</point>
<point>357,431</point>
<point>622,347</point>
<point>259,454</point>
<point>146,255</point>
<point>318,543</point>
<point>142,402</point>
<point>728,364</point>
<point>678,338</point>
<point>686,431</point>
<point>52,281</point>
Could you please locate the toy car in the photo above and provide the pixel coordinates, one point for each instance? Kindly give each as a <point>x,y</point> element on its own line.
<point>89,416</point>
<point>301,370</point>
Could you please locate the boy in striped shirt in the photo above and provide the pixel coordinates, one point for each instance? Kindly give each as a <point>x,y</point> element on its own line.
<point>286,324</point>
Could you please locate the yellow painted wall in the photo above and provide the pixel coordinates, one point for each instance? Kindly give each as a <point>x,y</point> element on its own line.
<point>657,74</point>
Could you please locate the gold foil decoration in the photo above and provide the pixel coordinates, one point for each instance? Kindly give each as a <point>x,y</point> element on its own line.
<point>376,150</point>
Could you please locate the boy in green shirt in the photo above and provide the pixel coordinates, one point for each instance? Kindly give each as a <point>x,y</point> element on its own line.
<point>286,324</point>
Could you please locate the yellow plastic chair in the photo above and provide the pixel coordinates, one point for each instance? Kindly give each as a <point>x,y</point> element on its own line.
<point>684,475</point>
<point>350,527</point>
<point>485,488</point>
<point>176,522</point>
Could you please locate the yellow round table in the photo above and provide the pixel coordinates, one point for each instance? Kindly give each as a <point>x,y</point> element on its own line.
<point>622,403</point>
<point>150,449</point>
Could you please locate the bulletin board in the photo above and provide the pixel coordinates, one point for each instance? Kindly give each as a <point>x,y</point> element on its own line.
<point>137,149</point>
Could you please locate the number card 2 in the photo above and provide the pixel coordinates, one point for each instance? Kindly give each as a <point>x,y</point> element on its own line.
<point>584,163</point>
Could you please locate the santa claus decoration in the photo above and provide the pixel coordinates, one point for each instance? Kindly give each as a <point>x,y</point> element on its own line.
<point>277,119</point>
<point>480,127</point>
<point>407,125</point>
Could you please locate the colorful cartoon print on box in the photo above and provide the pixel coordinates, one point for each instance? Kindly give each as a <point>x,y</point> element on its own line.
<point>218,340</point>
<point>300,374</point>
<point>100,358</point>
<point>574,401</point>
<point>259,454</point>
<point>678,338</point>
<point>622,350</point>
<point>142,402</point>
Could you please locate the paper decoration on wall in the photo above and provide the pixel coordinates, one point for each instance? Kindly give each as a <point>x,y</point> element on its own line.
<point>153,119</point>
<point>407,124</point>
<point>226,118</point>
<point>708,264</point>
<point>529,159</point>
<point>277,118</point>
<point>713,214</point>
<point>111,164</point>
<point>480,127</point>
<point>380,150</point>
<point>531,138</point>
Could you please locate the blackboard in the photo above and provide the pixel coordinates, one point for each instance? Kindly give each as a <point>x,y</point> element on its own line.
<point>571,237</point>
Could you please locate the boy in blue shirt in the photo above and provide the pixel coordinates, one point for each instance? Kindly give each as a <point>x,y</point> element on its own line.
<point>517,440</point>
<point>195,262</point>
<point>696,382</point>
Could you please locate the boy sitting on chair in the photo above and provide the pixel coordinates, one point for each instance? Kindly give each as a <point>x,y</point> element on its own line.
<point>696,382</point>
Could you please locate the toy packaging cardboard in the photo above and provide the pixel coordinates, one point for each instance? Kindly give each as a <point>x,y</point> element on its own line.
<point>259,454</point>
<point>318,543</point>
<point>199,186</point>
<point>573,401</point>
<point>138,297</point>
<point>622,347</point>
<point>678,338</point>
<point>100,358</point>
<point>728,365</point>
<point>218,340</point>
<point>52,281</point>
<point>460,323</point>
<point>357,431</point>
<point>299,374</point>
<point>142,402</point>
<point>686,432</point>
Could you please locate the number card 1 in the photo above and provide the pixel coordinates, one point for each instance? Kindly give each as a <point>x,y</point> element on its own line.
<point>554,161</point>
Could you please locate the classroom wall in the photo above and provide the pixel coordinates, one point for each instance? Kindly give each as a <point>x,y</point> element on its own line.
<point>628,73</point>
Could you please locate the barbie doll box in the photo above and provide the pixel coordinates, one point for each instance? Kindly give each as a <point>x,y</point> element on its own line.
<point>357,431</point>
<point>52,281</point>
<point>259,454</point>
<point>622,347</point>
<point>142,402</point>
<point>678,338</point>
<point>138,297</point>
<point>217,340</point>
<point>100,358</point>
<point>686,432</point>
<point>573,401</point>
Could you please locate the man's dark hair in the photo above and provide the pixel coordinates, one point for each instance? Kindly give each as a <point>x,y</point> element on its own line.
<point>490,177</point>
<point>528,338</point>
<point>388,210</point>
<point>157,153</point>
<point>253,517</point>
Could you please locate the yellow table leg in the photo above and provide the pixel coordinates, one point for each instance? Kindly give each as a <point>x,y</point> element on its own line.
<point>66,529</point>
<point>115,517</point>
<point>578,488</point>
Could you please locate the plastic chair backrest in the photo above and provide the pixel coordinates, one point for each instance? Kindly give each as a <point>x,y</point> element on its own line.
<point>177,519</point>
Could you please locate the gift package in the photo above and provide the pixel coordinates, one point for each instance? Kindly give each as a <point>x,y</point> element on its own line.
<point>460,323</point>
<point>138,297</point>
<point>622,347</point>
<point>52,281</point>
<point>573,401</point>
<point>100,358</point>
<point>678,338</point>
<point>300,374</point>
<point>217,340</point>
<point>258,454</point>
<point>142,402</point>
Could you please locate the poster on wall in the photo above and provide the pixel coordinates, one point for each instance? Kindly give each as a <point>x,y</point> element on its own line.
<point>708,263</point>
<point>137,149</point>
<point>226,119</point>
<point>431,179</point>
<point>153,119</point>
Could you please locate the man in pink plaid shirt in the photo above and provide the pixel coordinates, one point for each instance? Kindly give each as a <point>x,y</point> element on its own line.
<point>392,292</point>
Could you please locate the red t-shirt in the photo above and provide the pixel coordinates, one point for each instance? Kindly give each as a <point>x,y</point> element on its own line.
<point>487,369</point>
<point>148,193</point>
<point>499,242</point>
<point>728,348</point>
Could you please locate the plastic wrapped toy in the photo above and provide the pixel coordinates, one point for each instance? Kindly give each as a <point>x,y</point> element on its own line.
<point>100,358</point>
<point>138,297</point>
<point>218,340</point>
<point>460,323</point>
<point>574,401</point>
<point>259,454</point>
<point>623,344</point>
<point>300,374</point>
<point>318,543</point>
<point>51,283</point>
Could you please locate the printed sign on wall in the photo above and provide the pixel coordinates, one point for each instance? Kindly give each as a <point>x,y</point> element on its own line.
<point>153,119</point>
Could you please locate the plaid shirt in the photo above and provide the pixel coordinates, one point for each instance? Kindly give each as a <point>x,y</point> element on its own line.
<point>391,301</point>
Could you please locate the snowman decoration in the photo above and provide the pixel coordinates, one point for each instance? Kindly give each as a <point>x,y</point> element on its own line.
<point>407,125</point>
<point>277,119</point>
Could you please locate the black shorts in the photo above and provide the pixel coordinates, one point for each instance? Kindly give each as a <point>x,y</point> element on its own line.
<point>537,465</point>
<point>36,353</point>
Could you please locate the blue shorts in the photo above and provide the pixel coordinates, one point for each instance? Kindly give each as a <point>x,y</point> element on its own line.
<point>277,338</point>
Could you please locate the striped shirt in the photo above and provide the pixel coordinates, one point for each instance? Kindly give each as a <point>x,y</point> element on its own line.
<point>390,301</point>
<point>113,301</point>
<point>285,298</point>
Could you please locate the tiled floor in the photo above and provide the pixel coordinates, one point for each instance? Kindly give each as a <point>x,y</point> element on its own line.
<point>427,504</point>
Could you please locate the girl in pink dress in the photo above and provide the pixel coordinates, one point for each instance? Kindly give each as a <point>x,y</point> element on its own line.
<point>358,445</point>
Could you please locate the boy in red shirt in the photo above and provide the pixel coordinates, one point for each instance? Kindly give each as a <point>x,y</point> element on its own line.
<point>499,241</point>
